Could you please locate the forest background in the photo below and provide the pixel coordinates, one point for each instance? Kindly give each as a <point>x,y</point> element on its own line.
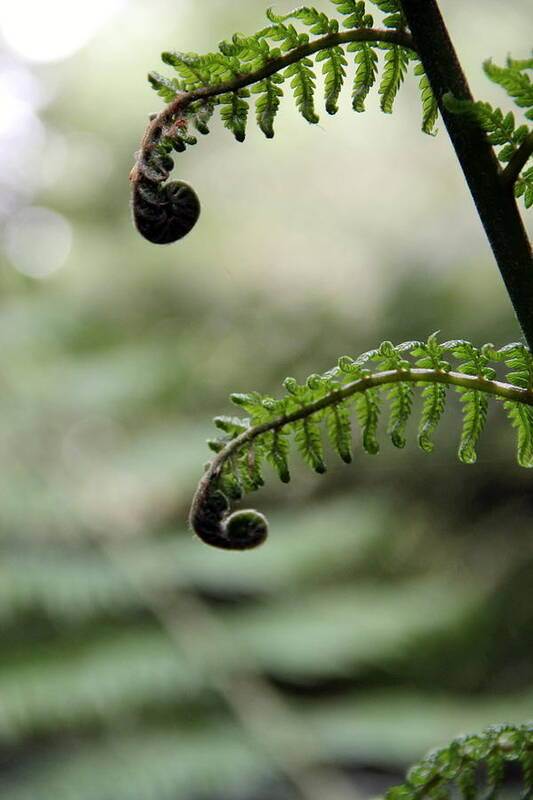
<point>390,609</point>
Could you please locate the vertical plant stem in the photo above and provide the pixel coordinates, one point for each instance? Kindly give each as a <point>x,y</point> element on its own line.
<point>492,196</point>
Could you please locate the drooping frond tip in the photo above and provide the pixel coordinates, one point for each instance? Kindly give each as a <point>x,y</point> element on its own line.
<point>327,402</point>
<point>281,52</point>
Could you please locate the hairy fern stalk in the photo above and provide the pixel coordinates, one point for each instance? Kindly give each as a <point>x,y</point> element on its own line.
<point>327,404</point>
<point>282,53</point>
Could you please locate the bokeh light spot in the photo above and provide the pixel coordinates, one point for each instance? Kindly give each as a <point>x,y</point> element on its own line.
<point>53,30</point>
<point>38,241</point>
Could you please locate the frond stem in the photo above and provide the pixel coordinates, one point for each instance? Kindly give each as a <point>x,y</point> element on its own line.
<point>518,161</point>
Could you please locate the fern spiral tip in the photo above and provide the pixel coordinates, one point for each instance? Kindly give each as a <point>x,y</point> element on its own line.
<point>164,213</point>
<point>212,523</point>
<point>246,529</point>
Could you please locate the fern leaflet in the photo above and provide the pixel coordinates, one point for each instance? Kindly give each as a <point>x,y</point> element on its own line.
<point>515,143</point>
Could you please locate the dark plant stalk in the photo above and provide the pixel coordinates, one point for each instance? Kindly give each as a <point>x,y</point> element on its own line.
<point>492,192</point>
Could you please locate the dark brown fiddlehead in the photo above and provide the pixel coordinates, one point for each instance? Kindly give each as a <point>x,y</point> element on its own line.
<point>211,521</point>
<point>162,212</point>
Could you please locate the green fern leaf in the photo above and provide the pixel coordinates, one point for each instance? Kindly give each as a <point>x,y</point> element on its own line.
<point>495,774</point>
<point>189,66</point>
<point>277,453</point>
<point>267,103</point>
<point>434,397</point>
<point>367,409</point>
<point>388,6</point>
<point>526,762</point>
<point>248,464</point>
<point>396,60</point>
<point>430,108</point>
<point>165,87</point>
<point>234,112</point>
<point>309,442</point>
<point>317,20</point>
<point>513,79</point>
<point>356,16</point>
<point>229,483</point>
<point>334,72</point>
<point>396,20</point>
<point>474,416</point>
<point>401,400</point>
<point>457,766</point>
<point>524,187</point>
<point>338,426</point>
<point>303,86</point>
<point>367,64</point>
<point>467,782</point>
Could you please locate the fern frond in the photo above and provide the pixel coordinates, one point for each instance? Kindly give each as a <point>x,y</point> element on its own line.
<point>189,67</point>
<point>429,101</point>
<point>259,63</point>
<point>234,112</point>
<point>367,65</point>
<point>396,60</point>
<point>167,88</point>
<point>398,370</point>
<point>367,407</point>
<point>429,356</point>
<point>334,72</point>
<point>388,6</point>
<point>303,86</point>
<point>514,79</point>
<point>355,12</point>
<point>338,426</point>
<point>267,103</point>
<point>456,767</point>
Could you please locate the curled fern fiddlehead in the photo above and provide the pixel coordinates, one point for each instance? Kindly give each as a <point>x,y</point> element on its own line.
<point>328,400</point>
<point>213,523</point>
<point>162,212</point>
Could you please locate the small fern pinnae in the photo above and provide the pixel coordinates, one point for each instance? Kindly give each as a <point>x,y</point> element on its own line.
<point>245,444</point>
<point>454,771</point>
<point>515,143</point>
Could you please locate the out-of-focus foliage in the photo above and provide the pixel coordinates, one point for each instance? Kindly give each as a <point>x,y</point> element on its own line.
<point>390,609</point>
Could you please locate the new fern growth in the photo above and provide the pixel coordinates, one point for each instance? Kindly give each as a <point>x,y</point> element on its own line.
<point>261,63</point>
<point>327,404</point>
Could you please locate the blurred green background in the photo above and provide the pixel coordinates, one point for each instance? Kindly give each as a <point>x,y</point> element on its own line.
<point>390,608</point>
